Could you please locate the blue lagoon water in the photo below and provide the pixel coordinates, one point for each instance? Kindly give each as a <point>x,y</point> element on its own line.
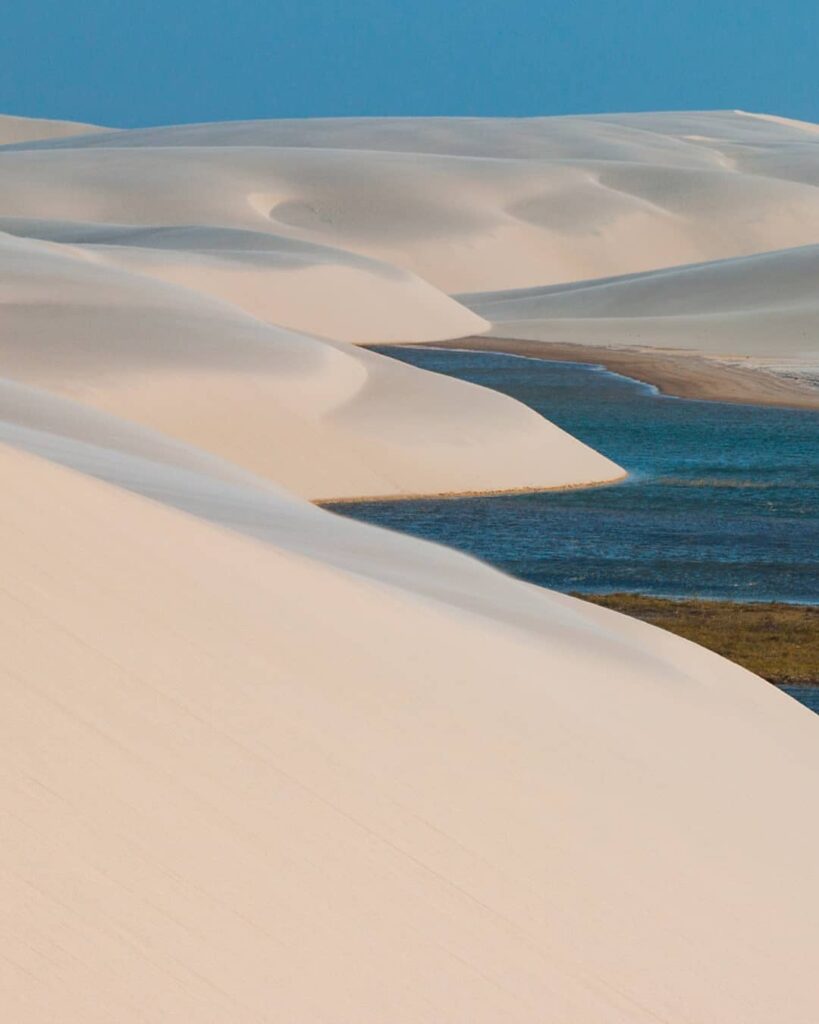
<point>807,695</point>
<point>722,500</point>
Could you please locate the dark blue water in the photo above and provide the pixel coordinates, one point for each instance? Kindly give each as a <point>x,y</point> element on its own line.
<point>722,501</point>
<point>807,695</point>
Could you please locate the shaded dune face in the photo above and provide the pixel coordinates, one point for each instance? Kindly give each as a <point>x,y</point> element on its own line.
<point>16,130</point>
<point>272,277</point>
<point>764,306</point>
<point>318,416</point>
<point>260,762</point>
<point>468,204</point>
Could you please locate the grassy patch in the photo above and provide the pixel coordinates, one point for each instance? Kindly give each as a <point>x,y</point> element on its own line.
<point>779,642</point>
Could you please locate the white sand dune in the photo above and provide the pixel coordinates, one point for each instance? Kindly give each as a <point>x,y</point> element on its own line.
<point>212,816</point>
<point>309,287</point>
<point>27,129</point>
<point>322,418</point>
<point>765,307</point>
<point>467,204</point>
<point>262,763</point>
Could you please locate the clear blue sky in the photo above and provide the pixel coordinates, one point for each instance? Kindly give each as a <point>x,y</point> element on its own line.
<point>170,61</point>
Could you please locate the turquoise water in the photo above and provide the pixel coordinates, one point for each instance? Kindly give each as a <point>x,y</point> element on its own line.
<point>722,500</point>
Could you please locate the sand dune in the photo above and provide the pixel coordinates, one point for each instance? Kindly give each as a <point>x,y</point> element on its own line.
<point>364,827</point>
<point>764,306</point>
<point>322,418</point>
<point>260,762</point>
<point>272,277</point>
<point>27,129</point>
<point>467,204</point>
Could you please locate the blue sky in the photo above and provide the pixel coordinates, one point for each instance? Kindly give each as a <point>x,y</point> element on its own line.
<point>152,62</point>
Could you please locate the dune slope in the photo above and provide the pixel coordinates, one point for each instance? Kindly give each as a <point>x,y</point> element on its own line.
<point>261,763</point>
<point>763,306</point>
<point>320,417</point>
<point>313,288</point>
<point>211,817</point>
<point>467,204</point>
<point>15,130</point>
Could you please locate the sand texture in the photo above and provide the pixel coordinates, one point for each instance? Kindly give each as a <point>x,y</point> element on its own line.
<point>29,129</point>
<point>676,372</point>
<point>260,763</point>
<point>468,204</point>
<point>761,309</point>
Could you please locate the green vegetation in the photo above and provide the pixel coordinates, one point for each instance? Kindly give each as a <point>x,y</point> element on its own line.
<point>779,642</point>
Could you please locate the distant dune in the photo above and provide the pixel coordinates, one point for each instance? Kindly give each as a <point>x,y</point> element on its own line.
<point>304,285</point>
<point>322,418</point>
<point>260,762</point>
<point>382,216</point>
<point>468,204</point>
<point>26,129</point>
<point>764,306</point>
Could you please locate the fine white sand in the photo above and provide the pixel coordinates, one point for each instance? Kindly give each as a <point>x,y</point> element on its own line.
<point>261,763</point>
<point>468,204</point>
<point>26,129</point>
<point>322,418</point>
<point>304,285</point>
<point>764,308</point>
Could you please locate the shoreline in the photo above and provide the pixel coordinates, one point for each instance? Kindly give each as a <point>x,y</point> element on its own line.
<point>673,373</point>
<point>447,495</point>
<point>776,640</point>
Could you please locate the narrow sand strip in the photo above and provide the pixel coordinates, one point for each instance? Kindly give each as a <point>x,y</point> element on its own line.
<point>490,493</point>
<point>682,374</point>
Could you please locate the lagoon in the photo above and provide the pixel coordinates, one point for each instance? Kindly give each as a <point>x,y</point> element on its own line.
<point>722,501</point>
